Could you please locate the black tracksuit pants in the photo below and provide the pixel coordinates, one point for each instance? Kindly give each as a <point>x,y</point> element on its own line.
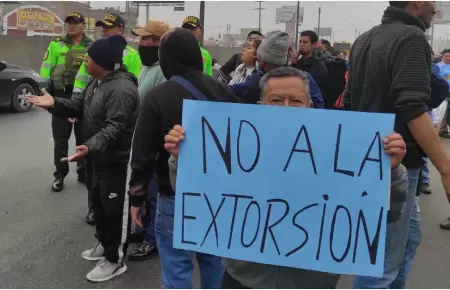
<point>107,185</point>
<point>62,129</point>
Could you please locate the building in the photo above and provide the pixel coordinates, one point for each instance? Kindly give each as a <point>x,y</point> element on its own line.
<point>31,20</point>
<point>44,17</point>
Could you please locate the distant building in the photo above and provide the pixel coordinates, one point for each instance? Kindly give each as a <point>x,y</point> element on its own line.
<point>31,20</point>
<point>40,21</point>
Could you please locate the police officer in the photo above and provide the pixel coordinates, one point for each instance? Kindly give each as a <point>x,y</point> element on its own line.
<point>61,63</point>
<point>112,24</point>
<point>193,24</point>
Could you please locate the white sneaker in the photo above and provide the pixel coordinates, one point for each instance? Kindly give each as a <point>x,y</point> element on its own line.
<point>105,270</point>
<point>94,254</point>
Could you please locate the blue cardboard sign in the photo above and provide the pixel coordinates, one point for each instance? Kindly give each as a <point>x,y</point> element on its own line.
<point>303,188</point>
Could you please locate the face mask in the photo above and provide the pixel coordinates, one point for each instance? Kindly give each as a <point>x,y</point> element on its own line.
<point>148,54</point>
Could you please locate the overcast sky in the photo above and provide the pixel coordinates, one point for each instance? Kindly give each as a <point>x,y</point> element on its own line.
<point>343,16</point>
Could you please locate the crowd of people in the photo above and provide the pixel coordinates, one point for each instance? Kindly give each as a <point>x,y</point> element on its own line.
<point>126,108</point>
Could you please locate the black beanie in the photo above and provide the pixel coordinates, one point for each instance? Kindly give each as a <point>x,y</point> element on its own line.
<point>107,52</point>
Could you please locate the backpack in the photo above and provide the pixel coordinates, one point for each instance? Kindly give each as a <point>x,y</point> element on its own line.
<point>336,82</point>
<point>340,100</point>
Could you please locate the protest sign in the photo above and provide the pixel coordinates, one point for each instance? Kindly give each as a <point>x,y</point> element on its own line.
<point>294,187</point>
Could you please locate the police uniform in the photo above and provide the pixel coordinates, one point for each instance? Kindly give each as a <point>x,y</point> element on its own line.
<point>192,22</point>
<point>131,59</point>
<point>61,63</point>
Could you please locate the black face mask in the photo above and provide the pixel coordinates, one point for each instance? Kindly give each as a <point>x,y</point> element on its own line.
<point>148,54</point>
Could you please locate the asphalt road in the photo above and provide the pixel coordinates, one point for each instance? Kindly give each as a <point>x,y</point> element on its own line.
<point>42,234</point>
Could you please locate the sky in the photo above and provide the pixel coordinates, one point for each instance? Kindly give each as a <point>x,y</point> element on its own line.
<point>346,18</point>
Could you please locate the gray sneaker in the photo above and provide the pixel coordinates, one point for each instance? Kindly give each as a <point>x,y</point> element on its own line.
<point>105,270</point>
<point>94,254</point>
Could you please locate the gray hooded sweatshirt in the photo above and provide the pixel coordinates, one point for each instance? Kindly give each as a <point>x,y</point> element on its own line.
<point>255,275</point>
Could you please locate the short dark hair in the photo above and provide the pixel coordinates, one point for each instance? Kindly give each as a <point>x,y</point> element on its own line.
<point>399,4</point>
<point>312,35</point>
<point>254,32</point>
<point>325,42</point>
<point>445,51</point>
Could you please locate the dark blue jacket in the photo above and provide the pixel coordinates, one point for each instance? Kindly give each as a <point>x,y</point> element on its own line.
<point>439,88</point>
<point>249,92</point>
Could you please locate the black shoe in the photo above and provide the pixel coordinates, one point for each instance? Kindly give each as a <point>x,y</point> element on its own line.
<point>81,178</point>
<point>144,252</point>
<point>58,184</point>
<point>444,134</point>
<point>90,218</point>
<point>425,188</point>
<point>135,238</point>
<point>445,225</point>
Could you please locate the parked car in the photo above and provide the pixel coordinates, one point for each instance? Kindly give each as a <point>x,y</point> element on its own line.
<point>16,83</point>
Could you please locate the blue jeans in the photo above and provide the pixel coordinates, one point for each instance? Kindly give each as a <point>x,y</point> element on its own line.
<point>425,171</point>
<point>149,219</point>
<point>402,239</point>
<point>176,264</point>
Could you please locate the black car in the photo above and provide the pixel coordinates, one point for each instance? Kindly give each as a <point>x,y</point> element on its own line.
<point>16,83</point>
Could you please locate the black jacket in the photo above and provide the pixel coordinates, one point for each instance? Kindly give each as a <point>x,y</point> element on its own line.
<point>108,112</point>
<point>390,68</point>
<point>162,110</point>
<point>227,68</point>
<point>316,67</point>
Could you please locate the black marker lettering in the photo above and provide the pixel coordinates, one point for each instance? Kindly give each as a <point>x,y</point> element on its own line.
<point>244,222</point>
<point>322,223</point>
<point>225,154</point>
<point>301,228</point>
<point>186,217</point>
<point>336,155</point>
<point>267,227</point>
<point>258,147</point>
<point>372,247</point>
<point>367,158</point>
<point>349,239</point>
<point>309,151</point>
<point>236,201</point>
<point>213,220</point>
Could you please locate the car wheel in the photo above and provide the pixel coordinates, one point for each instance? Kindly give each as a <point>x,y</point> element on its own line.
<point>18,101</point>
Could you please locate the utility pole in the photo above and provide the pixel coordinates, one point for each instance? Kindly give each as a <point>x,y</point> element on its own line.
<point>147,12</point>
<point>228,29</point>
<point>297,22</point>
<point>128,4</point>
<point>259,17</point>
<point>318,22</point>
<point>202,20</point>
<point>259,14</point>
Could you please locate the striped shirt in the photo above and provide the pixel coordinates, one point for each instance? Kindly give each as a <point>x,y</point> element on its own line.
<point>390,73</point>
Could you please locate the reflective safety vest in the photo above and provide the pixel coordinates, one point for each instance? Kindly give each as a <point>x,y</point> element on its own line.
<point>207,62</point>
<point>131,61</point>
<point>62,61</point>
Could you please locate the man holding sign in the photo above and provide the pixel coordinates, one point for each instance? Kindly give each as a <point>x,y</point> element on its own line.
<point>286,87</point>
